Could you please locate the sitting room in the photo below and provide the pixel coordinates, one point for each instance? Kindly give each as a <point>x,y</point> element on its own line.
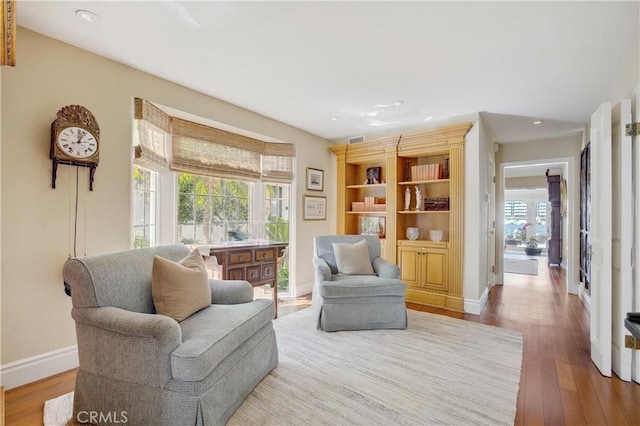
<point>297,212</point>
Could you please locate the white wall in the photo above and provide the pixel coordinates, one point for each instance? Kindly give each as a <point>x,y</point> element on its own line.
<point>36,219</point>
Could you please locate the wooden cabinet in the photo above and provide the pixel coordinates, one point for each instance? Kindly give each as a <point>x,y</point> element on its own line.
<point>554,245</point>
<point>433,163</point>
<point>257,264</point>
<point>424,266</point>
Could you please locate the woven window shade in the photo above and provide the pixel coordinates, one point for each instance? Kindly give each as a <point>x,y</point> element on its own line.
<point>277,162</point>
<point>209,151</point>
<point>153,128</point>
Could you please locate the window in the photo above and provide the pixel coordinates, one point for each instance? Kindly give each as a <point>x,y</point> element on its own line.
<point>197,184</point>
<point>525,218</point>
<point>276,215</point>
<point>144,207</point>
<point>212,210</point>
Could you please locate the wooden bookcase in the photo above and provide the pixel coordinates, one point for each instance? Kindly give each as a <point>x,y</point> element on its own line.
<point>431,269</point>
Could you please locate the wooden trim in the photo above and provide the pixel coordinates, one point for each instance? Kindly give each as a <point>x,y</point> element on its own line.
<point>8,36</point>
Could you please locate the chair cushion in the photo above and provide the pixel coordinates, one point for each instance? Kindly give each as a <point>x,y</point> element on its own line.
<point>180,289</point>
<point>210,335</point>
<point>361,286</point>
<point>353,259</point>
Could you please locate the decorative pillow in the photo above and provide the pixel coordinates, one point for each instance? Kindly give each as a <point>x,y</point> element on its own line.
<point>180,289</point>
<point>353,259</point>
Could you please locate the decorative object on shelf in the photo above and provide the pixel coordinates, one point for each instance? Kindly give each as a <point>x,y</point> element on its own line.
<point>445,174</point>
<point>372,225</point>
<point>75,141</point>
<point>407,173</point>
<point>413,233</point>
<point>315,179</point>
<point>315,208</point>
<point>407,198</point>
<point>436,235</point>
<point>418,198</point>
<point>437,204</point>
<point>374,175</point>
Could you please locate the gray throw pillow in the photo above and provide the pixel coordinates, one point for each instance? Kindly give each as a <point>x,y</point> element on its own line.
<point>180,289</point>
<point>353,259</point>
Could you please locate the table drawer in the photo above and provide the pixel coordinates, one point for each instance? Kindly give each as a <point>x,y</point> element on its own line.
<point>266,254</point>
<point>253,273</point>
<point>268,271</point>
<point>239,257</point>
<point>235,274</point>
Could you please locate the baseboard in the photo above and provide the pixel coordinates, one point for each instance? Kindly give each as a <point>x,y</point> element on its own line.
<point>586,299</point>
<point>475,307</point>
<point>304,288</point>
<point>38,367</point>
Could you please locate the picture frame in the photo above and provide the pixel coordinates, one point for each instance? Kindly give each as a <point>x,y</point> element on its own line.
<point>315,179</point>
<point>314,207</point>
<point>374,175</point>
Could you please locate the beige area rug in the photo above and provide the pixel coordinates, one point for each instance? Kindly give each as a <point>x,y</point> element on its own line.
<point>520,264</point>
<point>438,371</point>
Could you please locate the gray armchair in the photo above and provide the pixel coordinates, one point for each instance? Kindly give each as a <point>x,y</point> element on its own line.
<point>356,302</point>
<point>152,368</point>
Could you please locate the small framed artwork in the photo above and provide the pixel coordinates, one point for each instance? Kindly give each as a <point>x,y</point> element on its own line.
<point>315,208</point>
<point>374,175</point>
<point>315,179</point>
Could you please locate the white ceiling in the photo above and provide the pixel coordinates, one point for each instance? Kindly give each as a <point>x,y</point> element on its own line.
<point>303,63</point>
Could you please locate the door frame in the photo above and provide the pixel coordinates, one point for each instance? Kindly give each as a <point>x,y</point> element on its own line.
<point>570,258</point>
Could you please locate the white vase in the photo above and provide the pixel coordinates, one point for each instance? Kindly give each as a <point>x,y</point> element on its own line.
<point>435,235</point>
<point>413,233</point>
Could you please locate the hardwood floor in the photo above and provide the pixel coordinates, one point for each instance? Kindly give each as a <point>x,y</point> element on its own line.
<point>559,384</point>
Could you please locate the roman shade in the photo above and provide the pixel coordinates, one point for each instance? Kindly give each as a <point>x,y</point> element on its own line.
<point>153,130</point>
<point>209,151</point>
<point>277,162</point>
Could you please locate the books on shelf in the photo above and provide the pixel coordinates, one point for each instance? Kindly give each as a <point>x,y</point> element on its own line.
<point>368,205</point>
<point>426,172</point>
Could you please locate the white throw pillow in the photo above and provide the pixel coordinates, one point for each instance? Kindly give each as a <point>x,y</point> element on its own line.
<point>353,259</point>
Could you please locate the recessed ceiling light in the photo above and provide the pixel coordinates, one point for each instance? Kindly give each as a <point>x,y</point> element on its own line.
<point>428,118</point>
<point>398,102</point>
<point>335,118</point>
<point>537,122</point>
<point>87,15</point>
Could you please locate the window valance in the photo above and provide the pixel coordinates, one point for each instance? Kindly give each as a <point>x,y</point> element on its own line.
<point>205,150</point>
<point>277,162</point>
<point>153,129</point>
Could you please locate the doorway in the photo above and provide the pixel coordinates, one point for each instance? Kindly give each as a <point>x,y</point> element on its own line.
<point>526,220</point>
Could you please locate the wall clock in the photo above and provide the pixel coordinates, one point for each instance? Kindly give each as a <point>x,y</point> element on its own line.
<point>75,141</point>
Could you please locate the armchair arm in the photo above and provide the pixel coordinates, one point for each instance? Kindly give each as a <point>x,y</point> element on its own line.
<point>129,346</point>
<point>385,269</point>
<point>321,269</point>
<point>230,292</point>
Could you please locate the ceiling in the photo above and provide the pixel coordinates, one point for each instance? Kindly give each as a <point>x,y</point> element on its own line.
<point>338,69</point>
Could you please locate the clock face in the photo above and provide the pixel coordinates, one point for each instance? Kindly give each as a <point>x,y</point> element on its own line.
<point>77,142</point>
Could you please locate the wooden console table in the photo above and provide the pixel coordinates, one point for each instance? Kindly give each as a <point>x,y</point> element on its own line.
<point>255,263</point>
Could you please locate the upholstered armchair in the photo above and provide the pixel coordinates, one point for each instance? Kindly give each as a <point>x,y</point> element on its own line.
<point>157,369</point>
<point>355,288</point>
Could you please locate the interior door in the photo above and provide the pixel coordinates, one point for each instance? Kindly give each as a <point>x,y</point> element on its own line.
<point>622,294</point>
<point>491,223</point>
<point>635,106</point>
<point>601,238</point>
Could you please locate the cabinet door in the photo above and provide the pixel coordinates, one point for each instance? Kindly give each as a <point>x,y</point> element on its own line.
<point>436,269</point>
<point>409,260</point>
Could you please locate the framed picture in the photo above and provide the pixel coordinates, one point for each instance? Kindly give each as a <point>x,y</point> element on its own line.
<point>315,179</point>
<point>374,175</point>
<point>315,208</point>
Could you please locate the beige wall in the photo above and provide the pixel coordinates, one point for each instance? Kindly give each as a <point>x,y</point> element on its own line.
<point>525,182</point>
<point>36,220</point>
